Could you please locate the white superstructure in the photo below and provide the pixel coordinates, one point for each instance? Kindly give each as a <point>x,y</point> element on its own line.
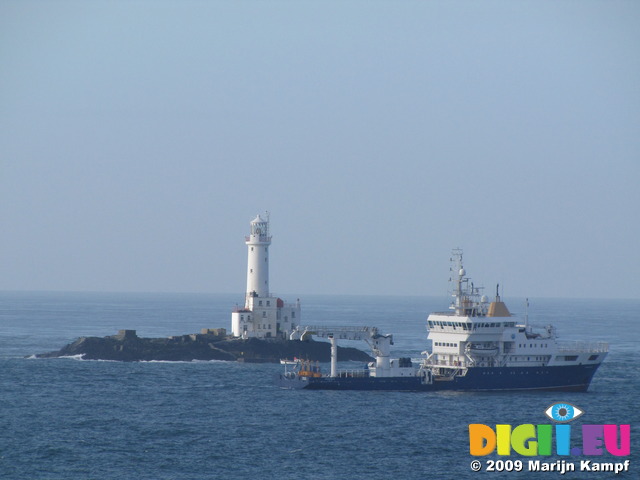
<point>478,333</point>
<point>263,315</point>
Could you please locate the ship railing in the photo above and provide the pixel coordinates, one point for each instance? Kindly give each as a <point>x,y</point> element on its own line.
<point>339,329</point>
<point>446,363</point>
<point>353,373</point>
<point>583,347</point>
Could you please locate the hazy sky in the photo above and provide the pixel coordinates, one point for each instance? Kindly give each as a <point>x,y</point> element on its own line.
<point>138,139</point>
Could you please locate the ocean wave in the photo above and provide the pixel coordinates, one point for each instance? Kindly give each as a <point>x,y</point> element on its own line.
<point>79,356</point>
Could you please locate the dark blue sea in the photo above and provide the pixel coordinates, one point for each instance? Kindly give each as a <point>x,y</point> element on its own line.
<point>75,419</point>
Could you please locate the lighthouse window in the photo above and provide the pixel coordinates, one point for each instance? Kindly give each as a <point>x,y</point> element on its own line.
<point>252,249</point>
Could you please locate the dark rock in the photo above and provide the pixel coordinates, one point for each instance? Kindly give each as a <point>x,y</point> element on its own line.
<point>127,346</point>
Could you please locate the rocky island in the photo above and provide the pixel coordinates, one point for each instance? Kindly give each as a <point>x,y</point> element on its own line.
<point>210,344</point>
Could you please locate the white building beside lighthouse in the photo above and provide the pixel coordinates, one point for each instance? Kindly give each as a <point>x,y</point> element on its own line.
<point>263,315</point>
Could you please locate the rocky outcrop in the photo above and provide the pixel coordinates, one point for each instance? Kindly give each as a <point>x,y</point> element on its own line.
<point>128,347</point>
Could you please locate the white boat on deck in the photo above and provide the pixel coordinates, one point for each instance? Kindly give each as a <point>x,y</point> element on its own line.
<point>286,361</point>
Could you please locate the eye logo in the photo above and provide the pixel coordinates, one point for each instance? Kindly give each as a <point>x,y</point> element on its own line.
<point>563,412</point>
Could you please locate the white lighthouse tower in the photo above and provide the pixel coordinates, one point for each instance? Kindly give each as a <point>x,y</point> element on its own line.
<point>258,263</point>
<point>263,315</point>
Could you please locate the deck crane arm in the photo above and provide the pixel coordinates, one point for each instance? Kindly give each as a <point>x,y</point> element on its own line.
<point>380,344</point>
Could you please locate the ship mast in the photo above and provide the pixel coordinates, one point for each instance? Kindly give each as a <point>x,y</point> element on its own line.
<point>458,292</point>
<point>467,300</point>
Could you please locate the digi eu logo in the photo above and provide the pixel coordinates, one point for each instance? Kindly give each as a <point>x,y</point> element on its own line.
<point>531,440</point>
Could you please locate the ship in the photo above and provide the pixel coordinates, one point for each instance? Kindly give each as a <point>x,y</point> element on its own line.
<point>478,345</point>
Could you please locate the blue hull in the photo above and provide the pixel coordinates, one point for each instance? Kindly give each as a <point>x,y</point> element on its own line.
<point>562,378</point>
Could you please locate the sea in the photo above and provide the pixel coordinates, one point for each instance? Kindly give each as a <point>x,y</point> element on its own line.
<point>68,418</point>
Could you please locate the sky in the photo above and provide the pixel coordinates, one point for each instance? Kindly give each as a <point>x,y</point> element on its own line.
<point>138,139</point>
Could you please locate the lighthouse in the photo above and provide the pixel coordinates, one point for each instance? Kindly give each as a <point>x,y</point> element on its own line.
<point>258,243</point>
<point>263,315</point>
